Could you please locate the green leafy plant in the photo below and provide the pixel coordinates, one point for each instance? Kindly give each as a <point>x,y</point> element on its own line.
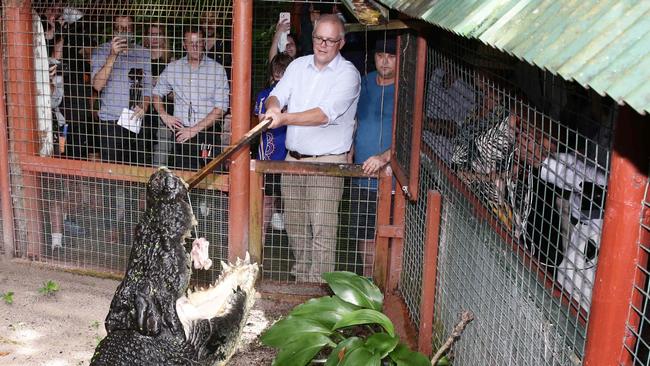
<point>49,288</point>
<point>346,329</point>
<point>7,297</point>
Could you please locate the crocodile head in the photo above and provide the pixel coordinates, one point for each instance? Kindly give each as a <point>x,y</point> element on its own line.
<point>154,318</point>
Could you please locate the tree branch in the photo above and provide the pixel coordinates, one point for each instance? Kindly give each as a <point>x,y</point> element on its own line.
<point>465,318</point>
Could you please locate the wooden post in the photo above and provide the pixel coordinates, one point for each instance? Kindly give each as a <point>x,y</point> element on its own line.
<point>256,228</point>
<point>397,244</point>
<point>5,180</point>
<point>429,272</point>
<point>22,117</point>
<point>619,250</point>
<point>384,196</point>
<point>238,224</point>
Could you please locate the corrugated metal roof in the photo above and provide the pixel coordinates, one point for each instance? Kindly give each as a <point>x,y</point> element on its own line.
<point>601,44</point>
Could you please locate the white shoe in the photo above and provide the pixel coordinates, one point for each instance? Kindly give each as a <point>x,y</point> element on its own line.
<point>277,221</point>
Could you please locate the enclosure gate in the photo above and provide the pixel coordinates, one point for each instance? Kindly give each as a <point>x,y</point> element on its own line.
<point>506,213</point>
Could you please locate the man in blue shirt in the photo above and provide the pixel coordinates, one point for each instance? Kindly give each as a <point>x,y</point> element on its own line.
<point>372,141</point>
<point>201,98</point>
<point>121,73</point>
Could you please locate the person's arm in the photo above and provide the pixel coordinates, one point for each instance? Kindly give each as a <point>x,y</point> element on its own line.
<point>170,121</point>
<point>185,133</point>
<point>282,26</point>
<point>376,162</point>
<point>118,45</point>
<point>310,117</point>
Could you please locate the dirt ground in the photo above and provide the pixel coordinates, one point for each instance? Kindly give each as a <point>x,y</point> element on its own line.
<point>63,329</point>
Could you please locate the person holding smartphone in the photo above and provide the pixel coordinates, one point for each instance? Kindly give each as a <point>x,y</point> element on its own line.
<point>283,28</point>
<point>112,64</point>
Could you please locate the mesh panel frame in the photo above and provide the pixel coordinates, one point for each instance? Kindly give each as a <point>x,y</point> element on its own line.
<point>68,189</point>
<point>532,299</point>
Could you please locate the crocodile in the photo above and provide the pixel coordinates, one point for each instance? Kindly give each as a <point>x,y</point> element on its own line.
<point>154,318</point>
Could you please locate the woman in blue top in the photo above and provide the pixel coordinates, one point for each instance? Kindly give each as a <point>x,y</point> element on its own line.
<point>272,143</point>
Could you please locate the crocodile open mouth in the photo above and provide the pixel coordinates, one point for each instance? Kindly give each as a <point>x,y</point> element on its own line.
<point>218,299</point>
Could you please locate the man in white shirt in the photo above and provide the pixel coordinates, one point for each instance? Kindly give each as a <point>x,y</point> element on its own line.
<point>320,92</point>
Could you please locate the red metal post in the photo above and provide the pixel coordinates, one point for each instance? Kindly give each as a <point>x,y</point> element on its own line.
<point>5,181</point>
<point>22,117</point>
<point>619,252</point>
<point>429,272</point>
<point>241,95</point>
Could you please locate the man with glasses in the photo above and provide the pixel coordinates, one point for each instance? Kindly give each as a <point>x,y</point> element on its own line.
<point>320,92</point>
<point>201,97</point>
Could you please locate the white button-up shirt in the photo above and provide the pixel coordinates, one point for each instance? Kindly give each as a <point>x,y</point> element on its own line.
<point>334,89</point>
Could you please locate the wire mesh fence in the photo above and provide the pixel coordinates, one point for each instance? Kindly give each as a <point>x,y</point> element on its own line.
<point>121,88</point>
<point>523,186</point>
<point>314,223</point>
<point>638,349</point>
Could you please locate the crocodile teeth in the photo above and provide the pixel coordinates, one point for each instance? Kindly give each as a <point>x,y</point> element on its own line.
<point>225,266</point>
<point>247,260</point>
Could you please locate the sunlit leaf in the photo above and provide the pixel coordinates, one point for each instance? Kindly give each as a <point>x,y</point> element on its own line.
<point>355,289</point>
<point>327,310</point>
<point>366,316</point>
<point>302,350</point>
<point>285,330</point>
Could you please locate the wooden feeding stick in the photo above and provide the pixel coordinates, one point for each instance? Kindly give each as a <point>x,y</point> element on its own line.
<point>214,163</point>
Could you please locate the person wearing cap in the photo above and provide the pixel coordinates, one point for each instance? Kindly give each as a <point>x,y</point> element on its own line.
<point>320,92</point>
<point>372,141</point>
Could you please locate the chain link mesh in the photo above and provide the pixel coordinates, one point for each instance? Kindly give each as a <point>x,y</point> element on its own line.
<point>78,180</point>
<point>521,160</point>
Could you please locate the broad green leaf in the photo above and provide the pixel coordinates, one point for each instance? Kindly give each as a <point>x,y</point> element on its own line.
<point>327,310</point>
<point>285,330</point>
<point>403,356</point>
<point>302,350</point>
<point>361,357</point>
<point>366,316</point>
<point>355,289</point>
<point>381,343</point>
<point>342,349</point>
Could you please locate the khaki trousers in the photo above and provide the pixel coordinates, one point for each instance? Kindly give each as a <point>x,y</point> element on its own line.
<point>311,205</point>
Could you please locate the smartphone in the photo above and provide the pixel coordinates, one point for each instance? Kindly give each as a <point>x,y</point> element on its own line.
<point>285,15</point>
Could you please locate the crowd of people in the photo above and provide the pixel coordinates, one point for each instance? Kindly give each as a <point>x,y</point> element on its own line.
<point>157,110</point>
<point>547,194</point>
